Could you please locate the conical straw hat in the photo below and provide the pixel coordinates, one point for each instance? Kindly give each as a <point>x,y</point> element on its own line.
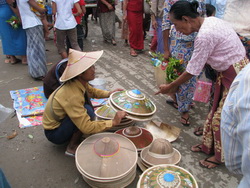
<point>79,62</point>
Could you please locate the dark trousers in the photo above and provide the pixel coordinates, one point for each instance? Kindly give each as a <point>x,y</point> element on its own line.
<point>67,128</point>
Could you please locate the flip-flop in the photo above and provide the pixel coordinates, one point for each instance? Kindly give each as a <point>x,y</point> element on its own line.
<point>209,161</point>
<point>198,131</point>
<point>48,39</point>
<point>113,42</point>
<point>15,62</point>
<point>69,154</point>
<point>187,123</point>
<point>197,146</point>
<point>7,60</point>
<point>172,103</point>
<point>133,54</point>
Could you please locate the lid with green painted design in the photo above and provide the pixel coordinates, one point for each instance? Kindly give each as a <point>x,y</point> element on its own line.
<point>134,102</point>
<point>170,176</point>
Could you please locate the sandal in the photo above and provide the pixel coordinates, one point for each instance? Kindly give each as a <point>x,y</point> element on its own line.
<point>7,60</point>
<point>39,78</point>
<point>133,53</point>
<point>212,164</point>
<point>113,42</point>
<point>48,38</point>
<point>172,103</point>
<point>186,123</point>
<point>16,61</point>
<point>196,148</point>
<point>198,131</point>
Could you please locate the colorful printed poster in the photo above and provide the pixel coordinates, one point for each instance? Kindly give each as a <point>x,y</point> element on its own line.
<point>29,102</point>
<point>99,102</point>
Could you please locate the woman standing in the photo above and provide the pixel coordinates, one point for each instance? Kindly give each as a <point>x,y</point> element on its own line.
<point>180,46</point>
<point>217,45</point>
<point>156,17</point>
<point>133,13</point>
<point>35,38</point>
<point>107,20</point>
<point>14,41</point>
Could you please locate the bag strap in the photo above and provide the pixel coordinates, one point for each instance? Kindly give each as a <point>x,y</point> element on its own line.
<point>58,66</point>
<point>56,117</point>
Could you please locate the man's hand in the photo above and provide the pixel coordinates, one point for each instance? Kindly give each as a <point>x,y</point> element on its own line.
<point>167,89</point>
<point>118,117</point>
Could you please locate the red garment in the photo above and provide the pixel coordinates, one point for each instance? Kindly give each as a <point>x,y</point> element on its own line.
<point>135,24</point>
<point>74,10</point>
<point>135,5</point>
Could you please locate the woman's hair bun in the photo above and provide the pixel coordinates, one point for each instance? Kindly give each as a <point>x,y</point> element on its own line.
<point>194,5</point>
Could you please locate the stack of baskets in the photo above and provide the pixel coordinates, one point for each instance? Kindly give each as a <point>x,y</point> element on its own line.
<point>107,160</point>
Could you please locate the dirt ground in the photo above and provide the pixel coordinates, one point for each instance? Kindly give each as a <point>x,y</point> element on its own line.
<point>36,163</point>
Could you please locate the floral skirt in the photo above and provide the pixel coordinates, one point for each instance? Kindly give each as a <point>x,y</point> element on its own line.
<point>211,133</point>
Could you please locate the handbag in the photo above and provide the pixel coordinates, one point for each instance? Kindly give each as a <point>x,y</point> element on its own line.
<point>146,7</point>
<point>202,91</point>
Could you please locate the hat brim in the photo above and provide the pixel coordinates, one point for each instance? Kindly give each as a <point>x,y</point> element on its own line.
<point>78,63</point>
<point>151,160</point>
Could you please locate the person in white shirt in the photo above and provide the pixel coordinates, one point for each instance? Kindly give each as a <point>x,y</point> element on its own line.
<point>32,24</point>
<point>65,24</point>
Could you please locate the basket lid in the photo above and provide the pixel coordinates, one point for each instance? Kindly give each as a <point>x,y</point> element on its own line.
<point>166,176</point>
<point>134,102</point>
<point>139,136</point>
<point>160,152</point>
<point>111,155</point>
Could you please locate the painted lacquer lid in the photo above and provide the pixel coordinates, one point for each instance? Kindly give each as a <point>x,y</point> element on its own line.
<point>134,102</point>
<point>166,176</point>
<point>105,112</point>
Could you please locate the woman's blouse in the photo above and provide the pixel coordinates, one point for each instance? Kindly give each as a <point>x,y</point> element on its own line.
<point>216,44</point>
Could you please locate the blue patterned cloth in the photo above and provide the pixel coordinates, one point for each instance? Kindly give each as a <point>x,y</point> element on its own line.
<point>3,2</point>
<point>181,47</point>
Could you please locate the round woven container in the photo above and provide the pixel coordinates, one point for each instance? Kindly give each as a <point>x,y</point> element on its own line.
<point>169,176</point>
<point>160,152</point>
<point>139,136</point>
<point>105,159</point>
<point>133,102</point>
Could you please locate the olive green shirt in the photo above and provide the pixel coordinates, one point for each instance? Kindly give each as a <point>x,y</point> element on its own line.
<point>69,101</point>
